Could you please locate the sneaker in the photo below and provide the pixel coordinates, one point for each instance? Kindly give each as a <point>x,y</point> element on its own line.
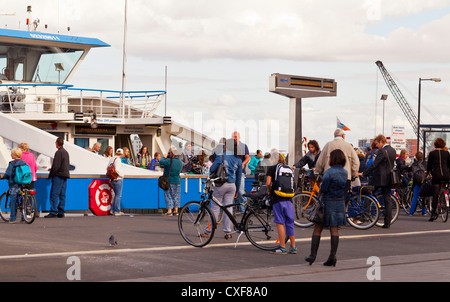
<point>279,251</point>
<point>292,250</point>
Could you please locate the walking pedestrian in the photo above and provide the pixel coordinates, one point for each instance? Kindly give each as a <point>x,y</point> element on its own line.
<point>332,194</point>
<point>172,166</point>
<point>226,192</point>
<point>117,184</point>
<point>438,167</point>
<point>381,167</point>
<point>14,188</point>
<point>283,212</point>
<point>59,173</point>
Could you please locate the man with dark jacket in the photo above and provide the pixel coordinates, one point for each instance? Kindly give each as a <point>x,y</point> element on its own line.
<point>381,167</point>
<point>59,174</point>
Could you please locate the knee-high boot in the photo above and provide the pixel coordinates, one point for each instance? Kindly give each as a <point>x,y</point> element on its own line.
<point>334,246</point>
<point>315,241</point>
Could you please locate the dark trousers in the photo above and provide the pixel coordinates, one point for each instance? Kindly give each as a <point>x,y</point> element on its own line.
<point>58,191</point>
<point>386,192</point>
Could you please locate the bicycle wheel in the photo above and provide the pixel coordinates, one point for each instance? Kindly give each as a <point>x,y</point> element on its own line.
<point>196,224</point>
<point>261,231</point>
<point>443,208</point>
<point>303,204</point>
<point>406,198</point>
<point>362,212</point>
<point>29,208</point>
<point>5,211</point>
<point>395,209</point>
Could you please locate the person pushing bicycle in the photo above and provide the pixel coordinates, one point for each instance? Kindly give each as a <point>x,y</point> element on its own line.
<point>9,174</point>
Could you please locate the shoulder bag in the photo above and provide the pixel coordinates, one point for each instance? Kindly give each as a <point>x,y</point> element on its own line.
<point>317,212</point>
<point>396,178</point>
<point>163,181</point>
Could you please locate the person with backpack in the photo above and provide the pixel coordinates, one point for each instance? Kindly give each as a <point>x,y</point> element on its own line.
<point>59,173</point>
<point>116,175</point>
<point>226,190</point>
<point>417,169</point>
<point>332,194</point>
<point>280,184</point>
<point>14,186</point>
<point>31,161</point>
<point>172,169</point>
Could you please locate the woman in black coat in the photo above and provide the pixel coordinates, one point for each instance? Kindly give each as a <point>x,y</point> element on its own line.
<point>438,166</point>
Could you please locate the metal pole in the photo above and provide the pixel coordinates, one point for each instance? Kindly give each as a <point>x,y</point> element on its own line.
<point>418,116</point>
<point>124,59</point>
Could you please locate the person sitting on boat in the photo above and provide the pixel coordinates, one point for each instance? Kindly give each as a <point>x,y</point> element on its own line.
<point>155,161</point>
<point>126,158</point>
<point>143,158</point>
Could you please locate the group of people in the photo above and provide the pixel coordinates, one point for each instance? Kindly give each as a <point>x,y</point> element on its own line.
<point>58,173</point>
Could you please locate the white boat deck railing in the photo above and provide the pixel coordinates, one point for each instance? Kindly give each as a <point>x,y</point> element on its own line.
<point>58,98</point>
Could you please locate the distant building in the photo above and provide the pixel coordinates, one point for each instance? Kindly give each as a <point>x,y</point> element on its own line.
<point>364,143</point>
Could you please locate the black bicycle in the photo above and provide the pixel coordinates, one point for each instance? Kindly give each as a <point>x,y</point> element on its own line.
<point>197,223</point>
<point>25,203</point>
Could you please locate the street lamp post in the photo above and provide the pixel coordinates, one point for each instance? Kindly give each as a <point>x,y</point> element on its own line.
<point>418,111</point>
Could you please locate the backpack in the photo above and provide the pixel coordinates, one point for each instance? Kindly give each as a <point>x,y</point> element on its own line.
<point>23,175</point>
<point>283,183</point>
<point>221,173</point>
<point>111,172</point>
<point>418,172</point>
<point>370,159</point>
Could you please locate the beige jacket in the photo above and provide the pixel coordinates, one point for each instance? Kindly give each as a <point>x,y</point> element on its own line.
<point>352,160</point>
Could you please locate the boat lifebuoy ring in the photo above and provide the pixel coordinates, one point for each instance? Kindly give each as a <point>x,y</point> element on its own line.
<point>100,196</point>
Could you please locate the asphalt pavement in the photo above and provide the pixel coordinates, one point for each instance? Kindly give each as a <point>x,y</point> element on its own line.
<point>150,249</point>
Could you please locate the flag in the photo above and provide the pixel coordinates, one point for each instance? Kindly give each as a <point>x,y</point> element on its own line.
<point>341,125</point>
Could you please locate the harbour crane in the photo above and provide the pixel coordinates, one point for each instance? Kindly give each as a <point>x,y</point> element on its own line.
<point>402,102</point>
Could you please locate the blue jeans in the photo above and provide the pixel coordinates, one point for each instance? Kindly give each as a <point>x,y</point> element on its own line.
<point>58,191</point>
<point>414,201</point>
<point>117,186</point>
<point>13,192</point>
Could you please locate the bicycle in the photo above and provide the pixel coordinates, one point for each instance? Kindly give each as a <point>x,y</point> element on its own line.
<point>443,202</point>
<point>25,203</point>
<point>361,209</point>
<point>197,223</point>
<point>305,197</point>
<point>395,204</point>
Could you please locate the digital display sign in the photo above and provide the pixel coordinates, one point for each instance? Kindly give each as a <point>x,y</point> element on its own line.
<point>299,86</point>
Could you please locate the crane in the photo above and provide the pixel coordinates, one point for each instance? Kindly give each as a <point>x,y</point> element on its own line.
<point>402,102</point>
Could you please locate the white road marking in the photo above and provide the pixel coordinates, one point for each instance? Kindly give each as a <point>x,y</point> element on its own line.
<point>183,247</point>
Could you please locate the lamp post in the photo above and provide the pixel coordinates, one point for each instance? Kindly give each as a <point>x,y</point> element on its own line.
<point>383,98</point>
<point>418,111</point>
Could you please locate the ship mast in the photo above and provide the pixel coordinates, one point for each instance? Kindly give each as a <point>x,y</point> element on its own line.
<point>124,60</point>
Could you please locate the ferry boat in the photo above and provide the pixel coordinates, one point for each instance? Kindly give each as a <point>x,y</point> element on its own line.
<point>38,104</point>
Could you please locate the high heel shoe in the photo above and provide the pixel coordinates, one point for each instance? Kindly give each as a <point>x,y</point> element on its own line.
<point>310,259</point>
<point>330,262</point>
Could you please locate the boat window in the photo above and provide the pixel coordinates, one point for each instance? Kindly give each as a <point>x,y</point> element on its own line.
<point>40,64</point>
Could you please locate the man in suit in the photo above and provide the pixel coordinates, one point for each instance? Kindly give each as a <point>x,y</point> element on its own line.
<point>381,167</point>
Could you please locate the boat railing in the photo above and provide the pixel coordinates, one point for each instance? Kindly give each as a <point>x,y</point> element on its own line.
<point>61,98</point>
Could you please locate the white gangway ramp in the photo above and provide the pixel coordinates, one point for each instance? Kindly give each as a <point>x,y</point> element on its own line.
<point>83,161</point>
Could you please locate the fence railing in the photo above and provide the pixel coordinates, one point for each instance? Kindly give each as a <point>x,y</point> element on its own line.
<point>58,98</point>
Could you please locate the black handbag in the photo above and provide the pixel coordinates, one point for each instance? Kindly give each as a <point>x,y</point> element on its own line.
<point>316,214</point>
<point>426,189</point>
<point>163,181</point>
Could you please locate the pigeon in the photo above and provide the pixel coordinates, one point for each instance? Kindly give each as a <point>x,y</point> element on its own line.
<point>112,241</point>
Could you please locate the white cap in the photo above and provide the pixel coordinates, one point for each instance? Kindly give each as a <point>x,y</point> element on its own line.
<point>120,150</point>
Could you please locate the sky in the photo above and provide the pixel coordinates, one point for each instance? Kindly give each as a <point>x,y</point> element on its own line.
<point>220,55</point>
